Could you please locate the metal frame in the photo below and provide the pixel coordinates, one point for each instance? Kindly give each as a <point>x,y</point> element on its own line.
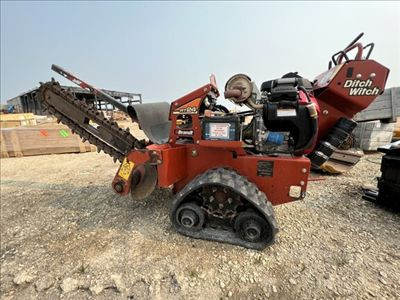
<point>27,102</point>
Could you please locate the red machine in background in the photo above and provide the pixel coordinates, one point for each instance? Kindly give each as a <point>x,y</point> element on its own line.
<point>228,169</point>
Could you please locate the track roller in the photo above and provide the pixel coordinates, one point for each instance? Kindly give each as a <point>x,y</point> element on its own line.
<point>251,227</point>
<point>190,216</point>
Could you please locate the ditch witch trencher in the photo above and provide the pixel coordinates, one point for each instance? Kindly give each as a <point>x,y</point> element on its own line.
<point>228,169</point>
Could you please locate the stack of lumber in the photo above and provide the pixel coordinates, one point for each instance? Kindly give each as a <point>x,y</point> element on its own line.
<point>374,128</point>
<point>16,120</point>
<point>384,107</point>
<point>117,115</point>
<point>369,136</point>
<point>396,131</point>
<point>45,120</point>
<point>25,141</point>
<point>342,161</point>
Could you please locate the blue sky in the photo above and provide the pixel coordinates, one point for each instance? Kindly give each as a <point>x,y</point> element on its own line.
<point>166,49</point>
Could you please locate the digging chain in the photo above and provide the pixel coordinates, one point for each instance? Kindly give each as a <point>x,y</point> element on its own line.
<point>92,114</point>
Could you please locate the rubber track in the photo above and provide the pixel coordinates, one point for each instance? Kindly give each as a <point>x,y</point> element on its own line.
<point>93,114</point>
<point>241,185</point>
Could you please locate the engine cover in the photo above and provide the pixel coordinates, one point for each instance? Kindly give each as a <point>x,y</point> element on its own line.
<point>289,108</point>
<point>293,118</point>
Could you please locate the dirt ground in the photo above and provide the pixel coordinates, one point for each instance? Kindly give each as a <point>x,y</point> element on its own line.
<point>65,234</point>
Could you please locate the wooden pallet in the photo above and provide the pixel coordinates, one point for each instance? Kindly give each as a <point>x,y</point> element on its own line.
<point>16,120</point>
<point>26,141</point>
<point>342,161</point>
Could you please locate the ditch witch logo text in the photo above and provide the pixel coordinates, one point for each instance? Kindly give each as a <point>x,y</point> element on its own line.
<point>361,88</point>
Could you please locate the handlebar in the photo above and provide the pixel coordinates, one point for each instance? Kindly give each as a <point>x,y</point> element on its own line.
<point>345,51</point>
<point>371,47</point>
<point>338,57</point>
<point>355,40</point>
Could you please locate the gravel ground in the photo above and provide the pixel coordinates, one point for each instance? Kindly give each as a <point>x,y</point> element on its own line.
<point>65,234</point>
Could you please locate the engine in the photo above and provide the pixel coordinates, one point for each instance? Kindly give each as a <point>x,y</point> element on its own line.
<point>284,113</point>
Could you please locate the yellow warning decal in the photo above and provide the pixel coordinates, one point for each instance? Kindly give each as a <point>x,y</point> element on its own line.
<point>125,169</point>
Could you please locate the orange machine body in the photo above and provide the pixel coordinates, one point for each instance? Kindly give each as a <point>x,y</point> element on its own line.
<point>177,164</point>
<point>342,91</point>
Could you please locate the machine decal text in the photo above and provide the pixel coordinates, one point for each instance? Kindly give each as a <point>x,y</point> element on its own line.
<point>361,88</point>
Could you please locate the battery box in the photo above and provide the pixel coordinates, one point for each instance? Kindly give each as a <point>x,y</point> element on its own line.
<point>221,128</point>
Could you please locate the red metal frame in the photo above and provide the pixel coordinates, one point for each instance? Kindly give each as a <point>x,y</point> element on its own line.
<point>178,163</point>
<point>333,97</point>
<point>138,157</point>
<point>189,105</point>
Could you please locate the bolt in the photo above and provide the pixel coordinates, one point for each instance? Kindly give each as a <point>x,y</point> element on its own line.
<point>358,76</point>
<point>372,75</point>
<point>325,112</point>
<point>194,153</point>
<point>302,183</point>
<point>304,170</point>
<point>118,187</point>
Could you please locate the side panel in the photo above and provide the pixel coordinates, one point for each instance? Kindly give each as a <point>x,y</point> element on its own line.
<point>173,166</point>
<point>347,89</point>
<point>273,175</point>
<point>287,172</point>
